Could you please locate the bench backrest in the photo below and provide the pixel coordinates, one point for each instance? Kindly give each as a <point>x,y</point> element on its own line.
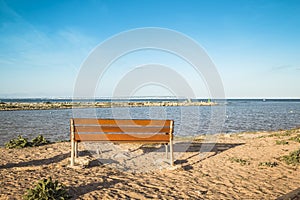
<point>122,130</point>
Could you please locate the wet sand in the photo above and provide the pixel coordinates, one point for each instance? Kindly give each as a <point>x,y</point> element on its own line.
<point>234,169</point>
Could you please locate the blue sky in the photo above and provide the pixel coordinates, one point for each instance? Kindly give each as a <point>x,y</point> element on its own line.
<point>255,44</point>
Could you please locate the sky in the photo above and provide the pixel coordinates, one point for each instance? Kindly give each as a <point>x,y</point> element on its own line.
<point>254,44</point>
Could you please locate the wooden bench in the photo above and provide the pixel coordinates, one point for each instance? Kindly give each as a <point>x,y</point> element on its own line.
<point>121,130</point>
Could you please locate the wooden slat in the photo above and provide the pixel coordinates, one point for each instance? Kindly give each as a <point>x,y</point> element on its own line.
<point>123,129</point>
<point>119,122</point>
<point>123,137</point>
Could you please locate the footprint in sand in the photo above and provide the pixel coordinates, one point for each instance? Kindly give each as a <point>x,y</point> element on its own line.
<point>123,155</point>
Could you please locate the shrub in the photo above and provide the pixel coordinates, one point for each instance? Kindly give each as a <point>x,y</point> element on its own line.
<point>46,189</point>
<point>18,142</point>
<point>21,142</point>
<point>293,158</point>
<point>38,141</point>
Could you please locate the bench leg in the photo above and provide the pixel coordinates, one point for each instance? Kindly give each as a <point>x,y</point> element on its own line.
<point>166,145</point>
<point>171,153</point>
<point>76,149</point>
<point>72,152</point>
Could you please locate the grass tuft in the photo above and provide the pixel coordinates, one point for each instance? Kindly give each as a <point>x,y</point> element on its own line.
<point>293,158</point>
<point>240,161</point>
<point>281,142</point>
<point>296,138</point>
<point>268,164</point>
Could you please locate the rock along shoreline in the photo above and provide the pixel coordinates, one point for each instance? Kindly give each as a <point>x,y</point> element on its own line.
<point>9,106</point>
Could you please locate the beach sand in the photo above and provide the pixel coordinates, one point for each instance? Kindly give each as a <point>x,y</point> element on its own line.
<point>231,170</point>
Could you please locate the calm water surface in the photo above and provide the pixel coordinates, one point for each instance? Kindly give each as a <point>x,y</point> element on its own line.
<point>241,115</point>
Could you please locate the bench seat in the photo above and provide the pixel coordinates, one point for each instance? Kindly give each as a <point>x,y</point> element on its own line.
<point>121,131</point>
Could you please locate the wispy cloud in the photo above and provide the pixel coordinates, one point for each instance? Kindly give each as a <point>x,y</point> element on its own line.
<point>24,44</point>
<point>284,68</point>
<point>33,60</point>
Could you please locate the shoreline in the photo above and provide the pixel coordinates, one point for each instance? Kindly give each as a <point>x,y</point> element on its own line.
<point>240,166</point>
<point>10,106</point>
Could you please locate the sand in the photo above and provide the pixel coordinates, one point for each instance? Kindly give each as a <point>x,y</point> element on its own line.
<point>218,175</point>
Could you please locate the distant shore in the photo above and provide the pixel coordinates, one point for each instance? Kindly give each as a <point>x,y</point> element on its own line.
<point>68,105</point>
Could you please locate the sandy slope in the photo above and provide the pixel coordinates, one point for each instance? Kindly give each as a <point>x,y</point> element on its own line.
<point>216,176</point>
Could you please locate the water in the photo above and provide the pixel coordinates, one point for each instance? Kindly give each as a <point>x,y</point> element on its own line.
<point>241,115</point>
